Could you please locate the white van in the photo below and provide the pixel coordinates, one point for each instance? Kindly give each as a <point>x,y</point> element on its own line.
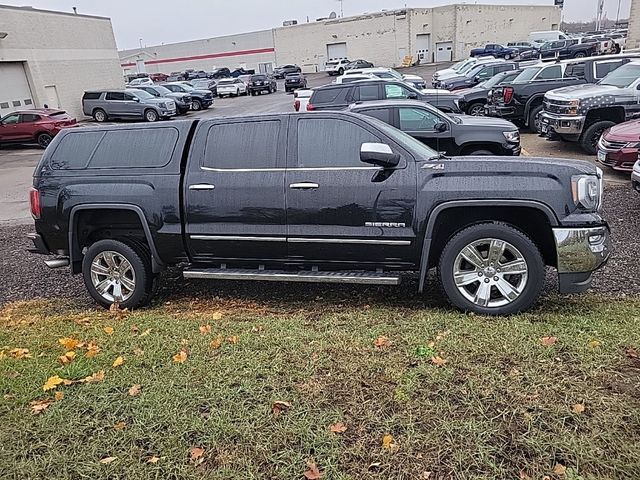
<point>538,38</point>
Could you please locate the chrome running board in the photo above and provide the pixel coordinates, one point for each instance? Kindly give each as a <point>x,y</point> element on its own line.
<point>371,278</point>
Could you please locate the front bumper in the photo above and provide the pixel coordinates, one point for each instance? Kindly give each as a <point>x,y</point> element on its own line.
<point>580,251</point>
<point>561,124</point>
<point>621,159</point>
<point>165,112</point>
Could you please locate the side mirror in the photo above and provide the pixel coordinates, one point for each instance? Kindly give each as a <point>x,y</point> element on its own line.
<point>440,127</point>
<point>478,78</point>
<point>136,99</point>
<point>412,96</point>
<point>379,154</point>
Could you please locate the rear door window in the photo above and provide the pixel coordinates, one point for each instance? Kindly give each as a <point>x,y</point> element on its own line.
<point>117,96</point>
<point>416,119</point>
<point>324,142</point>
<point>392,90</point>
<point>383,114</point>
<point>367,92</point>
<point>29,118</point>
<point>251,145</point>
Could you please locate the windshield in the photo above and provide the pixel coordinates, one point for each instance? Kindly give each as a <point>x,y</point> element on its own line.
<point>200,83</point>
<point>416,146</point>
<point>460,65</point>
<point>496,79</point>
<point>623,77</point>
<point>162,90</point>
<point>187,87</point>
<point>527,74</point>
<point>142,95</point>
<point>467,67</point>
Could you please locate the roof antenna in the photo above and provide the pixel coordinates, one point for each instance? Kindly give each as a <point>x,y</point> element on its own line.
<point>75,10</point>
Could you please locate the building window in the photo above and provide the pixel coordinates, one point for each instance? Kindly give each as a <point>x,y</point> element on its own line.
<point>28,102</point>
<point>16,103</point>
<point>4,105</point>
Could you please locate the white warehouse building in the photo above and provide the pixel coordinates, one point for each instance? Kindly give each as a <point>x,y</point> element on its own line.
<point>385,38</point>
<point>51,58</point>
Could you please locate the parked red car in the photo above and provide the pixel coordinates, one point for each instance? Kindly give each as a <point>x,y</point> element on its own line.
<point>34,126</point>
<point>618,147</point>
<point>158,77</point>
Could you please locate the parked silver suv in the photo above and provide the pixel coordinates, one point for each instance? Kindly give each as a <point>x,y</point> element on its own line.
<point>124,104</point>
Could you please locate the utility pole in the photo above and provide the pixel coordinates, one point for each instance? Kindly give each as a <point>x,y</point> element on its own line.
<point>618,14</point>
<point>341,8</point>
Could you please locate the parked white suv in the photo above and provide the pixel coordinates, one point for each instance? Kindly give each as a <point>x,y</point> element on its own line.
<point>336,67</point>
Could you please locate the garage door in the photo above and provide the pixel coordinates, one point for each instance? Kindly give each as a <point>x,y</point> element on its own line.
<point>444,51</point>
<point>15,93</point>
<point>336,51</point>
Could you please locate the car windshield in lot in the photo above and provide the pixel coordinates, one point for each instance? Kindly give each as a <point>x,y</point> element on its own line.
<point>423,152</point>
<point>164,91</point>
<point>142,95</point>
<point>200,84</point>
<point>493,81</point>
<point>623,77</point>
<point>527,74</point>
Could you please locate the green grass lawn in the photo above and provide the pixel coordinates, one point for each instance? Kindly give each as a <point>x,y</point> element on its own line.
<point>458,396</point>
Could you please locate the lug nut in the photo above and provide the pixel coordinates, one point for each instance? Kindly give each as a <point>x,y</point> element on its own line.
<point>479,274</point>
<point>486,280</point>
<point>496,278</point>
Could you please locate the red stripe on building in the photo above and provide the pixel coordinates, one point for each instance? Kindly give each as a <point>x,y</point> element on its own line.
<point>203,57</point>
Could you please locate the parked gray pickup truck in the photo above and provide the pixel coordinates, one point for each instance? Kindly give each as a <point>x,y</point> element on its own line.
<point>329,197</point>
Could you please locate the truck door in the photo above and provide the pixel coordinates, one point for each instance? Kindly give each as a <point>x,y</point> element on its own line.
<point>234,191</point>
<point>339,209</point>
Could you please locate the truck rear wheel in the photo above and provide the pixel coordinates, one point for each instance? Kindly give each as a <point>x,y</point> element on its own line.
<point>491,269</point>
<point>591,136</point>
<point>117,271</point>
<point>534,123</point>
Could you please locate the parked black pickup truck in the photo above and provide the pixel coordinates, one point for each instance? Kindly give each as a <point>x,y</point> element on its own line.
<point>521,100</point>
<point>582,113</point>
<point>328,197</point>
<point>570,48</point>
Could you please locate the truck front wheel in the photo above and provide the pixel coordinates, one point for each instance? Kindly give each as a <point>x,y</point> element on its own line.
<point>491,269</point>
<point>116,271</point>
<point>591,136</point>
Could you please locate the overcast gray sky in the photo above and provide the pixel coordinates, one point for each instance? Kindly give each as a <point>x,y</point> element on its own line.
<point>167,21</point>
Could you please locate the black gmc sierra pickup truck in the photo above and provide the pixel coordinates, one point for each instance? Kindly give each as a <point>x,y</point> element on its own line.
<point>323,197</point>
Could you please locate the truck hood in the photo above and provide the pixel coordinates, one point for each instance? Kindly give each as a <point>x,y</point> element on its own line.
<point>584,91</point>
<point>492,122</point>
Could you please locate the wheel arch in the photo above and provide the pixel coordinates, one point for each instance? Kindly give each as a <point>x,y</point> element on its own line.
<point>448,218</point>
<point>613,113</point>
<point>532,103</point>
<point>75,248</point>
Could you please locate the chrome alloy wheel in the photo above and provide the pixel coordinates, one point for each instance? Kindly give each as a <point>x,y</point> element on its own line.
<point>112,276</point>
<point>490,272</point>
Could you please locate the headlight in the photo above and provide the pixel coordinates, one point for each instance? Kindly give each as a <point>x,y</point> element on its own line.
<point>162,105</point>
<point>513,137</point>
<point>586,191</point>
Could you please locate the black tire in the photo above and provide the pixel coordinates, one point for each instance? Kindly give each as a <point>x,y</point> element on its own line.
<point>100,115</point>
<point>44,139</point>
<point>150,115</point>
<point>476,109</point>
<point>140,261</point>
<point>591,136</point>
<point>507,56</point>
<point>341,71</point>
<point>533,116</point>
<point>530,290</point>
<point>196,105</point>
<point>580,55</point>
<point>481,152</point>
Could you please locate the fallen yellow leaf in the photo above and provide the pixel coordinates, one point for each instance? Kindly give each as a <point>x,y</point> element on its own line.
<point>382,342</point>
<point>548,341</point>
<point>108,460</point>
<point>92,350</point>
<point>578,408</point>
<point>279,406</point>
<point>338,428</point>
<point>135,390</point>
<point>108,330</point>
<point>120,426</point>
<point>39,406</point>
<point>438,361</point>
<point>20,353</point>
<point>312,472</point>
<point>153,459</point>
<point>197,455</point>
<point>52,383</point>
<point>560,470</point>
<point>67,357</point>
<point>117,362</point>
<point>59,396</point>
<point>594,343</point>
<point>233,339</point>
<point>387,441</point>
<point>180,357</point>
<point>69,343</point>
<point>95,378</point>
<point>216,315</point>
<point>217,342</point>
<point>205,329</point>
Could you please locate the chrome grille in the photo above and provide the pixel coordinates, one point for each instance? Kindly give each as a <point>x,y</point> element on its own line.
<point>611,145</point>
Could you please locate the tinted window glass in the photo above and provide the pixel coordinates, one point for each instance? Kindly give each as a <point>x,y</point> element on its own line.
<point>325,96</point>
<point>9,119</point>
<point>550,73</point>
<point>74,150</point>
<point>242,145</point>
<point>92,95</point>
<point>575,70</point>
<point>368,92</point>
<point>603,69</point>
<point>414,119</point>
<point>324,142</point>
<point>383,114</point>
<point>135,148</point>
<point>115,96</point>
<point>29,117</point>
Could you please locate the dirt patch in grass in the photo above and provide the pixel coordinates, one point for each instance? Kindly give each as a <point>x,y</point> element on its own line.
<point>444,395</point>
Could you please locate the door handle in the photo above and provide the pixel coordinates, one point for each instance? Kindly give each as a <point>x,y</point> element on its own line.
<point>201,186</point>
<point>304,186</point>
